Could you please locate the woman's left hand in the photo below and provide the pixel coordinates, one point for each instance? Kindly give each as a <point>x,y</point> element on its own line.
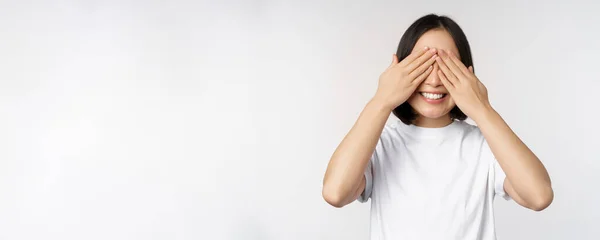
<point>469,94</point>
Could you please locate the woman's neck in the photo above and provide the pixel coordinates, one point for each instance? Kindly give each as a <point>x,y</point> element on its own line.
<point>433,122</point>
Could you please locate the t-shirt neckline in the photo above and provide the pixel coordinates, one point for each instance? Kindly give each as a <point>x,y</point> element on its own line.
<point>417,131</point>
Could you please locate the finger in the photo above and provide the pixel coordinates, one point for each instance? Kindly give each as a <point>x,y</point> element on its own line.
<point>471,69</point>
<point>414,56</point>
<point>422,68</point>
<point>444,68</point>
<point>445,81</point>
<point>451,65</point>
<point>459,64</point>
<point>420,60</point>
<point>394,60</point>
<point>423,75</point>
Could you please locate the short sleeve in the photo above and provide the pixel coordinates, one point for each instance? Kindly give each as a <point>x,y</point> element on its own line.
<point>371,169</point>
<point>496,174</point>
<point>499,177</point>
<point>366,194</point>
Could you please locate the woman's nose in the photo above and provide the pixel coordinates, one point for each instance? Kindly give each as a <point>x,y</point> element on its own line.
<point>433,79</point>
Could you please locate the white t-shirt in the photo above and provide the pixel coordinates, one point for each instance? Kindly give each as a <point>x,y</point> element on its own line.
<point>432,183</point>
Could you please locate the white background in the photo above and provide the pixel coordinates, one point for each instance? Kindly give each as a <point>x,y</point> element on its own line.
<point>198,120</point>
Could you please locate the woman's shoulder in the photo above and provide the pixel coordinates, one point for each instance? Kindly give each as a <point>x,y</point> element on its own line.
<point>391,131</point>
<point>468,127</point>
<point>470,132</point>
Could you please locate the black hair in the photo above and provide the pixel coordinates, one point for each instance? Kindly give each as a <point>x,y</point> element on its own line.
<point>410,37</point>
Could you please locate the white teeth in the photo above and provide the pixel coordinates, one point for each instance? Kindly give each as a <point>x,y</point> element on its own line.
<point>432,96</point>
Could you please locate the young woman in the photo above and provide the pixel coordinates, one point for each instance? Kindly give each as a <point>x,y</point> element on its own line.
<point>430,175</point>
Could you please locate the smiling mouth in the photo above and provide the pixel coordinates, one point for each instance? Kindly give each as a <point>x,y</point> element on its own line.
<point>433,96</point>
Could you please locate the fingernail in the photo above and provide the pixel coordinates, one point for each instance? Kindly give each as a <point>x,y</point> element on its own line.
<point>426,48</point>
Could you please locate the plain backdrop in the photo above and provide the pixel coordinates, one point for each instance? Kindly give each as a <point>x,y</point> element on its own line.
<point>215,120</point>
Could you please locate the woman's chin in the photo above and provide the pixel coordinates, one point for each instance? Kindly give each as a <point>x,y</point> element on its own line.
<point>432,114</point>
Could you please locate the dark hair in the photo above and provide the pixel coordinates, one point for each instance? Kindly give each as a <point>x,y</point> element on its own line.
<point>428,22</point>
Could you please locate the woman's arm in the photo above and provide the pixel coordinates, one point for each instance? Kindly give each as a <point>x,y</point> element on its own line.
<point>344,179</point>
<point>527,180</point>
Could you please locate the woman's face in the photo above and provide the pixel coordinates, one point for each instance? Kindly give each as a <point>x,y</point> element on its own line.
<point>431,100</point>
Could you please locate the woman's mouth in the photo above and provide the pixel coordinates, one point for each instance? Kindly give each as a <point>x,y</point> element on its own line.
<point>433,96</point>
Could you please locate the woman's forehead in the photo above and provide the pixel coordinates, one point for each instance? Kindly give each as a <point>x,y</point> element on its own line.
<point>437,38</point>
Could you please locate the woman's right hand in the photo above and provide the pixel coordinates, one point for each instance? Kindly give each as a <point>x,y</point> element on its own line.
<point>400,79</point>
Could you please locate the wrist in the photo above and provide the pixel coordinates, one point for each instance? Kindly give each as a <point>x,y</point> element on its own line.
<point>486,114</point>
<point>380,105</point>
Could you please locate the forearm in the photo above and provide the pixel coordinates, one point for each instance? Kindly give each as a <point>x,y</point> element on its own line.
<point>347,164</point>
<point>525,172</point>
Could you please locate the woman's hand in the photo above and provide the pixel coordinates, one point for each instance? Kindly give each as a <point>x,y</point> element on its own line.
<point>400,79</point>
<point>465,88</point>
